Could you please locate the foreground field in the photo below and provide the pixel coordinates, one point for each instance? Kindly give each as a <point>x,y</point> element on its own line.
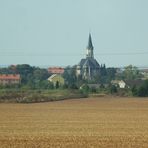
<point>93,122</point>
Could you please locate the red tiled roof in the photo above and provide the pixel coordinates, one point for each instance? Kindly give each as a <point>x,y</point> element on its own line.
<point>9,77</point>
<point>56,70</point>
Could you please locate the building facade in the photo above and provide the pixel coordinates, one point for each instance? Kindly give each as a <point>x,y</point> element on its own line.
<point>10,79</point>
<point>118,83</point>
<point>88,67</point>
<point>56,78</point>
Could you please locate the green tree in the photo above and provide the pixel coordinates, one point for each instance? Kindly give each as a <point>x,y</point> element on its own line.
<point>113,89</point>
<point>26,72</point>
<point>85,89</point>
<point>31,77</point>
<point>143,90</point>
<point>134,91</point>
<point>131,72</point>
<point>40,74</point>
<point>57,85</point>
<point>70,76</point>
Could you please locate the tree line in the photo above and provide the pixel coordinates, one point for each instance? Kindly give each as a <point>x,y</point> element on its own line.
<point>36,78</point>
<point>31,77</point>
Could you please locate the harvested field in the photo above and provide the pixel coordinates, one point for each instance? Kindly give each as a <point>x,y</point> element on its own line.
<point>92,122</point>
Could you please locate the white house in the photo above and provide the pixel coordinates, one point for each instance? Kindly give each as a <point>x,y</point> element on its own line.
<point>118,83</point>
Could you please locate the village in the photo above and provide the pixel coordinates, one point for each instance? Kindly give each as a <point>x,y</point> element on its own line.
<point>73,74</point>
<point>88,76</point>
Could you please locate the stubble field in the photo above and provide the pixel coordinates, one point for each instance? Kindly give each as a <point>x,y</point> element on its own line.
<point>87,123</point>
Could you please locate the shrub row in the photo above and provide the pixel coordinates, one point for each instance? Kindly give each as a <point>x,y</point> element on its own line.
<point>37,96</point>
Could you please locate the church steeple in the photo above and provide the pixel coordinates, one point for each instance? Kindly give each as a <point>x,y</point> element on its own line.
<point>88,67</point>
<point>89,50</point>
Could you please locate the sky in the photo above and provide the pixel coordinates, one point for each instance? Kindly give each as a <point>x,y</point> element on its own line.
<point>55,32</point>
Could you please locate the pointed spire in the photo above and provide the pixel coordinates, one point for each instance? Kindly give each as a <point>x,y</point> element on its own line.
<point>89,49</point>
<point>90,45</point>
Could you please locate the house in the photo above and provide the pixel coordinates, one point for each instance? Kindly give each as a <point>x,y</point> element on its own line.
<point>118,83</point>
<point>56,78</point>
<point>9,79</point>
<point>88,67</point>
<point>55,70</point>
<point>127,83</point>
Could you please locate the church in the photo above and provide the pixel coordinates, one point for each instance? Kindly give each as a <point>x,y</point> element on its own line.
<point>88,67</point>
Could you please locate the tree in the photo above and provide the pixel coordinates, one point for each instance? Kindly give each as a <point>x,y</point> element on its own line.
<point>113,89</point>
<point>70,76</point>
<point>31,77</point>
<point>57,85</point>
<point>84,89</point>
<point>134,91</point>
<point>131,72</point>
<point>143,90</point>
<point>40,74</point>
<point>111,74</point>
<point>26,72</point>
<point>105,75</point>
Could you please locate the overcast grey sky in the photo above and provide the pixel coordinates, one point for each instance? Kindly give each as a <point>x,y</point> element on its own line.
<point>55,32</point>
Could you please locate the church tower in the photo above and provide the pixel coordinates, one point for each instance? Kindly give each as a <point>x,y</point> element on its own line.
<point>90,48</point>
<point>88,67</point>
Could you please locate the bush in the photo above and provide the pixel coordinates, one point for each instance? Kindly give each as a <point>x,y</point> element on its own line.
<point>134,91</point>
<point>93,90</point>
<point>35,96</point>
<point>113,89</point>
<point>84,89</point>
<point>141,91</point>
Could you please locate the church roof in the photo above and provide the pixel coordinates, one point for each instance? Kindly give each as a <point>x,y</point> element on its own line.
<point>89,62</point>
